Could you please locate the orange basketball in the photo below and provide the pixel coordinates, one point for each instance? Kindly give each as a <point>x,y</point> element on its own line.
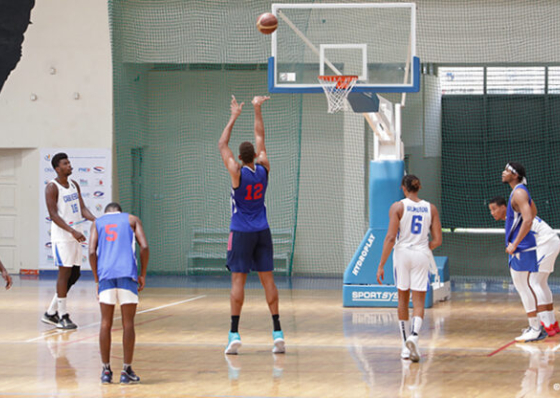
<point>267,23</point>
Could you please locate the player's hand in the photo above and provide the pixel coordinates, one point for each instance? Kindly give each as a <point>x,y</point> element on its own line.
<point>78,236</point>
<point>141,283</point>
<point>7,278</point>
<point>380,274</point>
<point>510,249</point>
<point>235,107</point>
<point>97,290</point>
<point>259,99</point>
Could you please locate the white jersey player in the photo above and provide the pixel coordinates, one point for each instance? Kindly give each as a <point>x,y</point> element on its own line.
<point>411,221</point>
<point>548,248</point>
<point>66,210</point>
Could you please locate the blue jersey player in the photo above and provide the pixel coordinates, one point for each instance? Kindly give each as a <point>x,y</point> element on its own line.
<point>113,262</point>
<point>250,241</point>
<point>521,245</point>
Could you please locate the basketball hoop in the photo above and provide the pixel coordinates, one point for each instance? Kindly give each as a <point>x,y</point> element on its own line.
<point>337,88</point>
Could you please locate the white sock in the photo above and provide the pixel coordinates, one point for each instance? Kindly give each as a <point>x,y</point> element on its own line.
<point>61,306</point>
<point>403,329</point>
<point>534,323</point>
<point>544,318</point>
<point>126,366</point>
<point>54,306</point>
<point>551,317</point>
<point>416,324</point>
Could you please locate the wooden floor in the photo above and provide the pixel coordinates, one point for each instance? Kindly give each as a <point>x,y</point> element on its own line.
<point>466,343</point>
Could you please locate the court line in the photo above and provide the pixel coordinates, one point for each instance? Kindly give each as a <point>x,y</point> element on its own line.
<point>501,348</point>
<point>139,312</point>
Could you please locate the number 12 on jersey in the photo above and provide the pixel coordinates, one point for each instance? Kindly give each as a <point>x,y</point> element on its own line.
<point>416,226</point>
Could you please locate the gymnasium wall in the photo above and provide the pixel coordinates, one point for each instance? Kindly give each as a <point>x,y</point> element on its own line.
<point>71,36</point>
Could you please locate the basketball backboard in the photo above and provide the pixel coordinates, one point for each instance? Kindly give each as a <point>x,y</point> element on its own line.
<point>375,41</point>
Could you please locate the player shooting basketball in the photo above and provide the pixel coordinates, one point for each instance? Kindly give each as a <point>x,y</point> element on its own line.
<point>250,241</point>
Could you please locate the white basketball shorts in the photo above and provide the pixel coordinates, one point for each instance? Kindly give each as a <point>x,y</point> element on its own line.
<point>546,255</point>
<point>67,254</point>
<point>411,269</point>
<point>119,290</point>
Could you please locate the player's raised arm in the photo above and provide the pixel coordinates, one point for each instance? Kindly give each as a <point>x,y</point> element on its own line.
<point>262,157</point>
<point>223,144</point>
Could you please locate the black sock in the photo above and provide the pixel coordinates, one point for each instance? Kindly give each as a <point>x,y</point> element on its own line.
<point>234,323</point>
<point>276,322</point>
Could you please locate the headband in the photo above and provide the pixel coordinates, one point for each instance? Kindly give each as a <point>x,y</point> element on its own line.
<point>512,169</point>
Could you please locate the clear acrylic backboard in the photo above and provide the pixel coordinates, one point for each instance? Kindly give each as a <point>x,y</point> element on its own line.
<point>375,41</point>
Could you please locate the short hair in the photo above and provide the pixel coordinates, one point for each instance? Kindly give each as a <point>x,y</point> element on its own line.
<point>519,170</point>
<point>411,183</point>
<point>498,200</point>
<point>113,206</point>
<point>57,158</point>
<point>247,152</point>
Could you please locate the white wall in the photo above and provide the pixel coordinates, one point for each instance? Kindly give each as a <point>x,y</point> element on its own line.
<point>71,36</point>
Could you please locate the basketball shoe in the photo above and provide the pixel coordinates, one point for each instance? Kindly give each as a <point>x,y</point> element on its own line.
<point>106,376</point>
<point>405,352</point>
<point>531,334</point>
<point>129,377</point>
<point>412,345</point>
<point>551,330</point>
<point>234,342</point>
<point>66,323</point>
<point>279,344</point>
<point>50,319</point>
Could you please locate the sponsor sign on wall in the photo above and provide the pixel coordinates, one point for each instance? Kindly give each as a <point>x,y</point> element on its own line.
<point>92,172</point>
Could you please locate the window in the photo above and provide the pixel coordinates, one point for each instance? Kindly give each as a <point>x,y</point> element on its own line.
<point>477,80</point>
<point>461,80</point>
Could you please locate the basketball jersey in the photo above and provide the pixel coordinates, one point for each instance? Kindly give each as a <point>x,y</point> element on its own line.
<point>115,247</point>
<point>513,224</point>
<point>68,207</point>
<point>248,211</point>
<point>415,223</point>
<point>543,232</point>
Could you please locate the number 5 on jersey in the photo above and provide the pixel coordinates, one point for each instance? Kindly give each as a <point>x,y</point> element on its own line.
<point>111,235</point>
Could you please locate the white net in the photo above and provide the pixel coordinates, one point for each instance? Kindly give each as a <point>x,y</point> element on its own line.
<point>336,89</point>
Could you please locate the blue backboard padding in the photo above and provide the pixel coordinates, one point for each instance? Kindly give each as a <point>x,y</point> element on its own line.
<point>362,269</point>
<point>370,89</point>
<point>385,178</point>
<point>384,189</point>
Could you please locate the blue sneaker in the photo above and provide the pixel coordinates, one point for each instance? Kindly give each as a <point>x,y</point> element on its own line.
<point>106,376</point>
<point>234,342</point>
<point>279,344</point>
<point>129,377</point>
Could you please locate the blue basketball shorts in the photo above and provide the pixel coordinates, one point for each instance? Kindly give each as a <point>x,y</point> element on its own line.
<point>524,261</point>
<point>250,251</point>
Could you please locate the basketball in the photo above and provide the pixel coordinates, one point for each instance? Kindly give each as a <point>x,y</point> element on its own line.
<point>267,23</point>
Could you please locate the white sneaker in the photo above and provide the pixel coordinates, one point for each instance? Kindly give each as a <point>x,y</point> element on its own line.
<point>279,343</point>
<point>405,353</point>
<point>531,334</point>
<point>412,345</point>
